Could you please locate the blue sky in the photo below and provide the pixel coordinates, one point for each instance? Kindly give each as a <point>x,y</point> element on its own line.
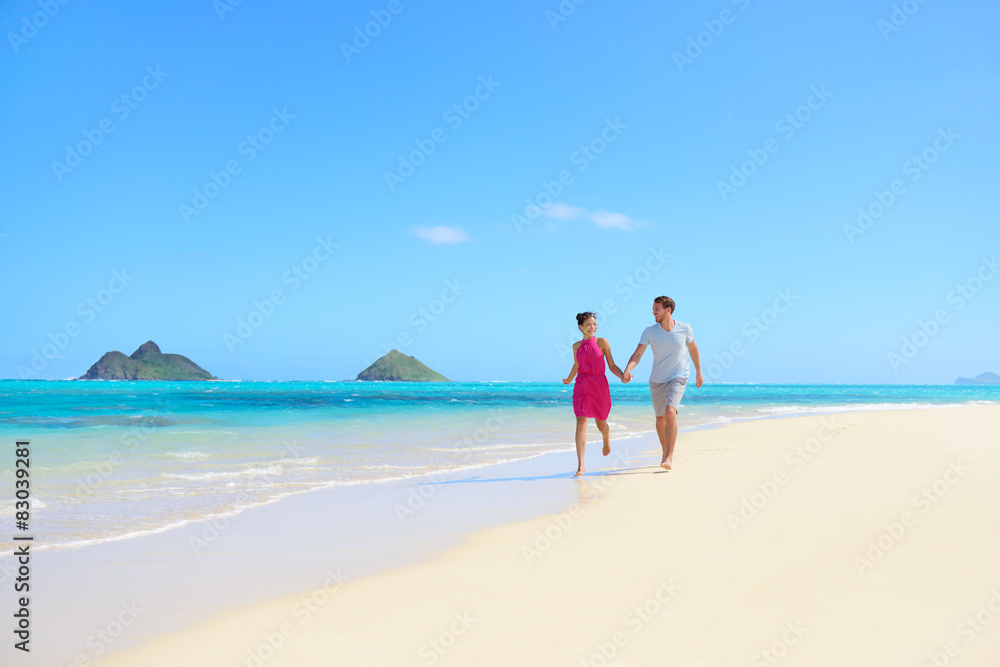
<point>715,152</point>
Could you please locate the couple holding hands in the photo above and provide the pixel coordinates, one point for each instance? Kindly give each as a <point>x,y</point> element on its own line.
<point>672,342</point>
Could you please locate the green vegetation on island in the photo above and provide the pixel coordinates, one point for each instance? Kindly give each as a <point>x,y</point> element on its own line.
<point>146,363</point>
<point>398,367</point>
<point>984,378</point>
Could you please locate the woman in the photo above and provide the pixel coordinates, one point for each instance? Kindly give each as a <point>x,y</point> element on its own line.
<point>591,395</point>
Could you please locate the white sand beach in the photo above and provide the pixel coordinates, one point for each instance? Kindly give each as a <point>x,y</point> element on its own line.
<point>865,538</point>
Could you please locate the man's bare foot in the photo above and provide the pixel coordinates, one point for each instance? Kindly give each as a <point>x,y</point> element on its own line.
<point>580,472</point>
<point>667,464</point>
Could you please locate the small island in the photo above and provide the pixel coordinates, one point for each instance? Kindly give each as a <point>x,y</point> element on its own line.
<point>983,378</point>
<point>398,367</point>
<point>146,363</point>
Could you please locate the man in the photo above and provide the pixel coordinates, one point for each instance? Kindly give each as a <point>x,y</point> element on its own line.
<point>669,376</point>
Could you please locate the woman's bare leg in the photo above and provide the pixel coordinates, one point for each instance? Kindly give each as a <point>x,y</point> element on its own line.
<point>581,443</point>
<point>602,426</point>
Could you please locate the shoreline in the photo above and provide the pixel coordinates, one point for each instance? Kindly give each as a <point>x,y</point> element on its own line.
<point>722,420</point>
<point>457,512</point>
<point>712,595</point>
<point>233,513</point>
<point>208,561</point>
<point>107,455</point>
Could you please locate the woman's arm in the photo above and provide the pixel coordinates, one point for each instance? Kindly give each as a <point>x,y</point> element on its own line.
<point>606,348</point>
<point>572,373</point>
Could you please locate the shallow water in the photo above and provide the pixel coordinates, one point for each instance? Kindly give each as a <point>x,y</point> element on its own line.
<point>117,459</point>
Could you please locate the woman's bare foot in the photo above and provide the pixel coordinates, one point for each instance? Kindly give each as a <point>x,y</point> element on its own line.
<point>607,445</point>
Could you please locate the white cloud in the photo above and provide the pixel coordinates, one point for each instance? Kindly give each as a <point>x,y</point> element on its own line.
<point>560,211</point>
<point>441,234</point>
<point>608,219</point>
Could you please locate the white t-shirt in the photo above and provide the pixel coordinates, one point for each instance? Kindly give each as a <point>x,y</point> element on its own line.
<point>670,354</point>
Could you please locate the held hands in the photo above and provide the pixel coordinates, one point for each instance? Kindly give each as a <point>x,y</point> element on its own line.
<point>626,376</point>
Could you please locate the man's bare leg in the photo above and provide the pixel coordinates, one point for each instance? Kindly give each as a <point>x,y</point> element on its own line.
<point>581,444</point>
<point>602,426</point>
<point>666,429</point>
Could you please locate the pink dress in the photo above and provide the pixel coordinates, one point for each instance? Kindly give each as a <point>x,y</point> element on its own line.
<point>591,395</point>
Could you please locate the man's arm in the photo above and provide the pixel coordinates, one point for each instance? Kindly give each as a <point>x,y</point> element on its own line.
<point>693,349</point>
<point>633,360</point>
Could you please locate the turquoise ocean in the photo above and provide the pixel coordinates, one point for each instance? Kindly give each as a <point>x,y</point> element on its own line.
<point>113,460</point>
